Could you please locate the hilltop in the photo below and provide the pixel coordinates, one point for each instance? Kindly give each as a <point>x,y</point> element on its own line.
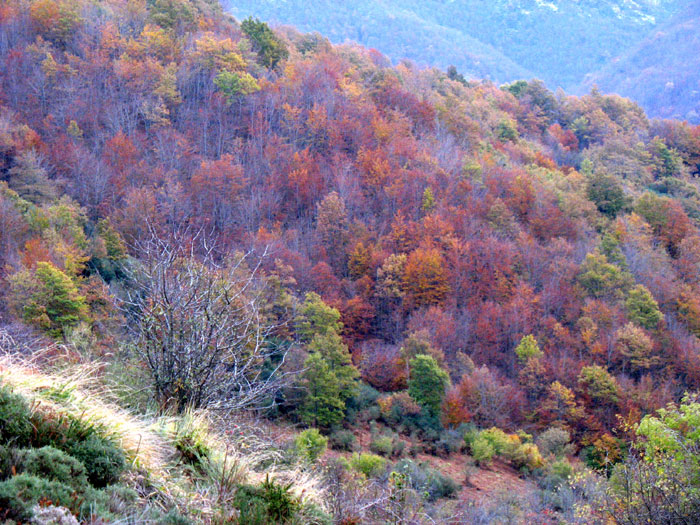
<point>559,41</point>
<point>661,72</point>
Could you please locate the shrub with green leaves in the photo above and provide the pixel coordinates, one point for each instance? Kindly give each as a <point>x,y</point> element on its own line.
<point>482,450</point>
<point>15,419</point>
<point>54,465</point>
<point>343,440</point>
<point>370,465</point>
<point>103,461</point>
<point>19,495</point>
<point>556,474</point>
<point>310,444</point>
<point>268,503</point>
<point>382,445</point>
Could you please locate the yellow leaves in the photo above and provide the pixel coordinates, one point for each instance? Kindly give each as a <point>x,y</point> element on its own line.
<point>218,54</point>
<point>351,89</point>
<point>161,43</point>
<point>167,86</point>
<point>425,279</point>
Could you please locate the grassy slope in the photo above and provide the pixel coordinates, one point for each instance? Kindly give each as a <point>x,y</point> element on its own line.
<point>153,445</point>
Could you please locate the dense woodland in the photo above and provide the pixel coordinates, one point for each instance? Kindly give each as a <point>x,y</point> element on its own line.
<point>233,218</point>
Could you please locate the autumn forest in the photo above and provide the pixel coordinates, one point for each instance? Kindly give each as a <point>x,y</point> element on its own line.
<point>392,263</point>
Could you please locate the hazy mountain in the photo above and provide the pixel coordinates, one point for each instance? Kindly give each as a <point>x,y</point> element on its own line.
<point>662,72</point>
<point>559,41</point>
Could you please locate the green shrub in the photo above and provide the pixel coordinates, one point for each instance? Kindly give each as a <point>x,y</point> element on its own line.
<point>342,440</point>
<point>268,503</point>
<point>368,464</point>
<point>382,445</point>
<point>556,474</point>
<point>427,480</point>
<point>19,495</point>
<point>54,465</point>
<point>482,450</point>
<point>103,461</point>
<point>502,443</point>
<point>310,444</point>
<point>450,442</point>
<point>15,419</point>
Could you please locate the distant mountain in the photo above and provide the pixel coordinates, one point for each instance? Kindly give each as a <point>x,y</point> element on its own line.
<point>662,72</point>
<point>396,30</point>
<point>559,41</point>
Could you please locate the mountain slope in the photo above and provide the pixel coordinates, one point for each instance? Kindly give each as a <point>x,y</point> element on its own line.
<point>662,73</point>
<point>558,41</point>
<point>397,31</point>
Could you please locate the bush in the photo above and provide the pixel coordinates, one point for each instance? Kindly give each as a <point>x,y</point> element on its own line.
<point>342,440</point>
<point>310,444</point>
<point>382,445</point>
<point>556,474</point>
<point>502,443</point>
<point>363,405</point>
<point>526,456</point>
<point>21,493</point>
<point>450,442</point>
<point>15,419</point>
<point>268,503</point>
<point>554,442</point>
<point>427,480</point>
<point>482,450</point>
<point>368,464</point>
<point>103,461</point>
<point>54,465</point>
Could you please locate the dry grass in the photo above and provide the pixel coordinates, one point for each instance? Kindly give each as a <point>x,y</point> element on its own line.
<point>149,443</point>
<point>77,393</point>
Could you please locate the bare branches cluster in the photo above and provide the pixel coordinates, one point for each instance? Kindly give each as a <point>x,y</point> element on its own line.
<point>199,324</point>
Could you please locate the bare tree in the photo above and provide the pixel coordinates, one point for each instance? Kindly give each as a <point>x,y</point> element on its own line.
<point>200,326</point>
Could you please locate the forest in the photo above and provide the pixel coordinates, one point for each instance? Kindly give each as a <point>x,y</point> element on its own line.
<point>393,268</point>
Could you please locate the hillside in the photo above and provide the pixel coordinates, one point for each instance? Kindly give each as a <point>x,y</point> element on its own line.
<point>406,296</point>
<point>559,41</point>
<point>661,72</point>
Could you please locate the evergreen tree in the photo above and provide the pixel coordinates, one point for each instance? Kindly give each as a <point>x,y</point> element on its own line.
<point>323,404</point>
<point>268,45</point>
<point>317,318</point>
<point>642,309</point>
<point>427,383</point>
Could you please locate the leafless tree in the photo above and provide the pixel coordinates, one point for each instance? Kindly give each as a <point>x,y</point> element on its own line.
<point>200,325</point>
